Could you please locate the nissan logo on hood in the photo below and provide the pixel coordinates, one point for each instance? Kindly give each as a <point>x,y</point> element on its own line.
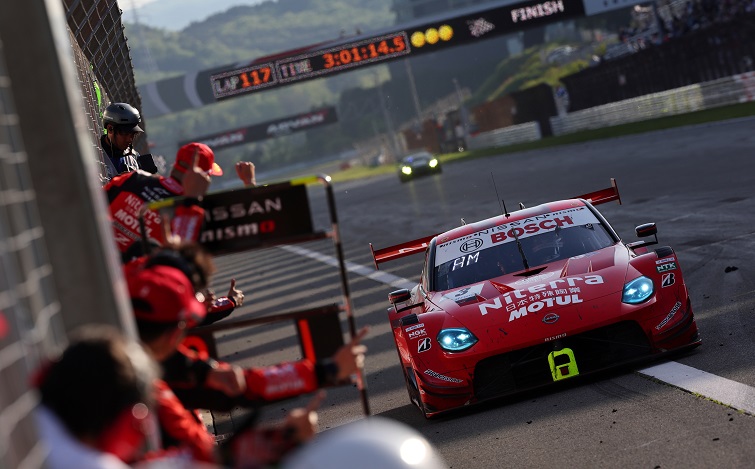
<point>550,318</point>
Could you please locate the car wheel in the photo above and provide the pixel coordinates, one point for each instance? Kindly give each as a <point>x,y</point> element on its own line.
<point>414,394</point>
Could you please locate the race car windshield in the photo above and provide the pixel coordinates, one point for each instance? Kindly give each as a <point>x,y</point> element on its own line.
<point>501,258</point>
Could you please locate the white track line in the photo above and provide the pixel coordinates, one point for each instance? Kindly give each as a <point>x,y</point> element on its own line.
<point>730,393</point>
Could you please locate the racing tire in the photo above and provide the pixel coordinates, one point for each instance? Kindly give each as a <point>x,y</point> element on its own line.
<point>414,394</point>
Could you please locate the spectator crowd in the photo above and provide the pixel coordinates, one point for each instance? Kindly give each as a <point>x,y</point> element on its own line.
<point>674,19</point>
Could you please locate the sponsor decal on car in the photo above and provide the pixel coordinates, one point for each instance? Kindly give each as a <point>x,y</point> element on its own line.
<point>415,326</point>
<point>418,333</point>
<point>535,278</point>
<point>550,318</point>
<point>667,280</point>
<point>559,292</point>
<point>471,246</point>
<point>669,316</point>
<point>666,267</point>
<point>443,377</point>
<point>555,337</point>
<point>665,260</point>
<point>563,364</point>
<point>509,232</point>
<point>424,345</point>
<point>464,293</point>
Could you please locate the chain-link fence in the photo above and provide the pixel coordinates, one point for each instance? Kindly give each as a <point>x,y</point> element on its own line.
<point>30,322</point>
<point>103,62</point>
<point>32,318</point>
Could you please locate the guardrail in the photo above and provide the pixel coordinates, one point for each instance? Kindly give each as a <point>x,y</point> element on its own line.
<point>527,132</point>
<point>722,92</point>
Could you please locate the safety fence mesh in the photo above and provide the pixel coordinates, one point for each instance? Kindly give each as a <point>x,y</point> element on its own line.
<point>103,62</point>
<point>30,319</point>
<point>31,326</point>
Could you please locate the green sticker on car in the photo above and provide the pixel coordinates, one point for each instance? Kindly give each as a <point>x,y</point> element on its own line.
<point>563,364</point>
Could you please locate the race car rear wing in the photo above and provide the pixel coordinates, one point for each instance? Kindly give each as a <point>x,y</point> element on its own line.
<point>400,250</point>
<point>417,246</point>
<point>602,196</point>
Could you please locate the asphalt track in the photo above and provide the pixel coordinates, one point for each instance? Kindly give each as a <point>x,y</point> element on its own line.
<point>692,410</point>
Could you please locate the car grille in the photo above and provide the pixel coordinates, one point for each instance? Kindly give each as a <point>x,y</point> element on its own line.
<point>528,368</point>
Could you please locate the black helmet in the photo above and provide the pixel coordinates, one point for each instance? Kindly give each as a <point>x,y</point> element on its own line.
<point>123,116</point>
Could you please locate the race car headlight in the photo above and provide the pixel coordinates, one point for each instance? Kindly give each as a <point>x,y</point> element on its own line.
<point>637,291</point>
<point>456,340</point>
<point>433,163</point>
<point>406,170</point>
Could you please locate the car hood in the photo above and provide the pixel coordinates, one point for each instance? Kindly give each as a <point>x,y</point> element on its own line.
<point>566,285</point>
<point>416,162</point>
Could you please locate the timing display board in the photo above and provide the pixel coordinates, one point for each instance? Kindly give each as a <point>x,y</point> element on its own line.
<point>206,87</point>
<point>342,57</point>
<point>429,37</point>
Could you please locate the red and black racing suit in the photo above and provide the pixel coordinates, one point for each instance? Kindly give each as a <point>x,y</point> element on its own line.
<point>186,375</point>
<point>127,194</point>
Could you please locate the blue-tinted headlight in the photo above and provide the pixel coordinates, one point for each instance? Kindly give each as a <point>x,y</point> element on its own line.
<point>406,170</point>
<point>456,340</point>
<point>637,291</point>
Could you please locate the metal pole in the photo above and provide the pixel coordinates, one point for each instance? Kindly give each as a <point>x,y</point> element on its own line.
<point>361,382</point>
<point>462,112</point>
<point>387,118</point>
<point>413,89</point>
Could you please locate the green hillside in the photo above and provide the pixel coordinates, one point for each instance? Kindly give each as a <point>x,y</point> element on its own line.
<point>245,33</point>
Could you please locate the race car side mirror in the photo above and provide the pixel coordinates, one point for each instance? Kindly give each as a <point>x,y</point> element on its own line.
<point>643,231</point>
<point>647,229</point>
<point>399,296</point>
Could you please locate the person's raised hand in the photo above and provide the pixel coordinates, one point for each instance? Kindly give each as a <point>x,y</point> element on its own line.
<point>227,378</point>
<point>195,181</point>
<point>235,294</point>
<point>303,421</point>
<point>245,172</point>
<point>350,357</point>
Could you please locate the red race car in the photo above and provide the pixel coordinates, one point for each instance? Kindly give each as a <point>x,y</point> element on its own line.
<point>531,298</point>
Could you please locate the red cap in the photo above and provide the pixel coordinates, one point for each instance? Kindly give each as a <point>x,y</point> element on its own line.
<point>164,294</point>
<point>206,161</point>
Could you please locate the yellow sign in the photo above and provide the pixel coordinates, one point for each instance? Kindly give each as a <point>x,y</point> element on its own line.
<point>563,364</point>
